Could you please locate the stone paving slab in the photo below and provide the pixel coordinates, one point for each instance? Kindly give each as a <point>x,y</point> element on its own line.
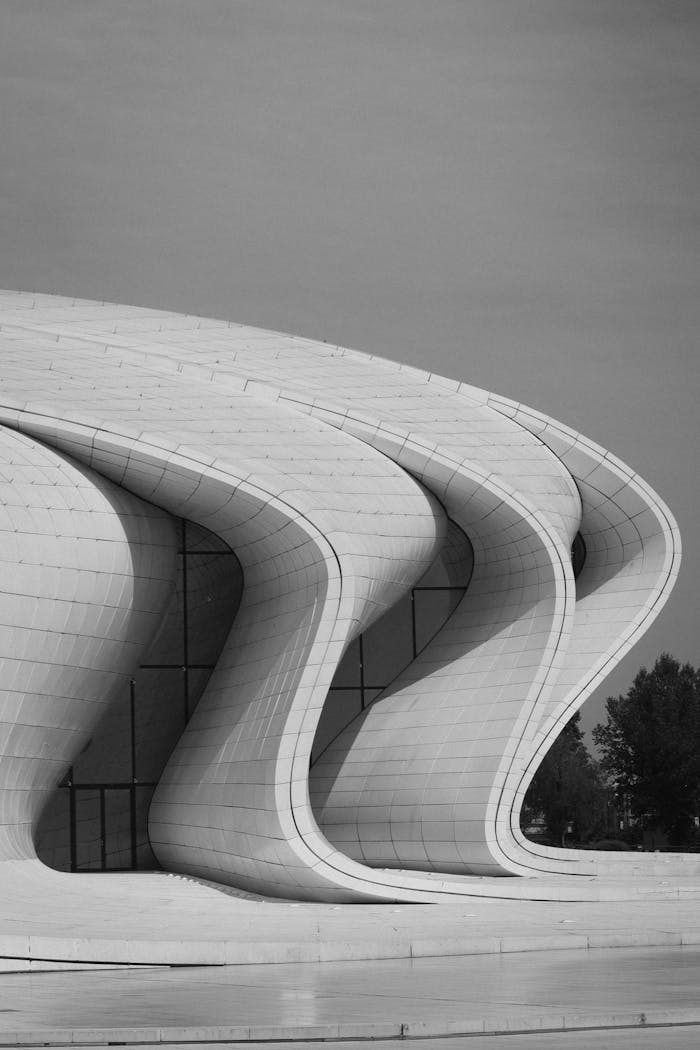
<point>157,919</point>
<point>271,1035</point>
<point>431,936</point>
<point>423,999</point>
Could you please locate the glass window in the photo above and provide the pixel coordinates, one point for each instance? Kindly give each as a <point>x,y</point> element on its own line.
<point>99,819</point>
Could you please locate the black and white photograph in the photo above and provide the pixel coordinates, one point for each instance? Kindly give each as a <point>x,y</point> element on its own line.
<point>350,524</point>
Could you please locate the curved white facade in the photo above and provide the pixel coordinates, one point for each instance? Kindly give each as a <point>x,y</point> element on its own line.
<point>334,477</point>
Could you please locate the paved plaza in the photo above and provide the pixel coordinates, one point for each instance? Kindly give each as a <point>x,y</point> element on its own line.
<point>155,918</point>
<point>317,971</point>
<point>422,999</point>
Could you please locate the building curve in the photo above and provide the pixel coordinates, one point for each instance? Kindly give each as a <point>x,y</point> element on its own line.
<point>339,481</point>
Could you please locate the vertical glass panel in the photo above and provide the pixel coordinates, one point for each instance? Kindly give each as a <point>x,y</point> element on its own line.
<point>168,645</point>
<point>117,830</point>
<point>388,645</point>
<point>53,832</point>
<point>197,538</point>
<point>456,561</point>
<point>431,610</point>
<point>206,591</point>
<point>392,643</point>
<point>342,705</point>
<point>145,858</point>
<point>88,830</point>
<point>159,710</point>
<point>214,589</point>
<point>370,695</point>
<point>108,757</point>
<point>348,673</point>
<point>578,554</point>
<point>197,681</point>
<point>437,575</point>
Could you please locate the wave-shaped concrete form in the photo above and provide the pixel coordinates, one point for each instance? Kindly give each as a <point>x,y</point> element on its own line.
<point>332,475</point>
<point>87,571</point>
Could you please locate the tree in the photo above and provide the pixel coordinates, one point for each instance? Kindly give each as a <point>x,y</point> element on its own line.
<point>567,789</point>
<point>651,747</point>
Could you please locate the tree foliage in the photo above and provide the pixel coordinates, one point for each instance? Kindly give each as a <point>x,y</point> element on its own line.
<point>567,789</point>
<point>651,747</point>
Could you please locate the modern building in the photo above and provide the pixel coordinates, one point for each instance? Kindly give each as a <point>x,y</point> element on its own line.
<point>291,618</point>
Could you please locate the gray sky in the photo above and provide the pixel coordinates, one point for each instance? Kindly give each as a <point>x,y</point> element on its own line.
<point>504,191</point>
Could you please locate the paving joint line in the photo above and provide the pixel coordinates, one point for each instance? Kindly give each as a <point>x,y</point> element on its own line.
<point>252,1035</point>
<point>215,954</point>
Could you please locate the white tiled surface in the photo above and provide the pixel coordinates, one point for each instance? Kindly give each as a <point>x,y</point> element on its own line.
<point>87,570</point>
<point>632,560</point>
<point>285,448</point>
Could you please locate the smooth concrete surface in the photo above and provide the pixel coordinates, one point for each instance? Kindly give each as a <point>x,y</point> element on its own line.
<point>668,1037</point>
<point>157,918</point>
<point>418,999</point>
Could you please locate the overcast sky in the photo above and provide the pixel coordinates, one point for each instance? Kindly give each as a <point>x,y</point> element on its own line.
<point>503,191</point>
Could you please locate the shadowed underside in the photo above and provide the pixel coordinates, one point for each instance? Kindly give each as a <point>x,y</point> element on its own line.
<point>334,477</point>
